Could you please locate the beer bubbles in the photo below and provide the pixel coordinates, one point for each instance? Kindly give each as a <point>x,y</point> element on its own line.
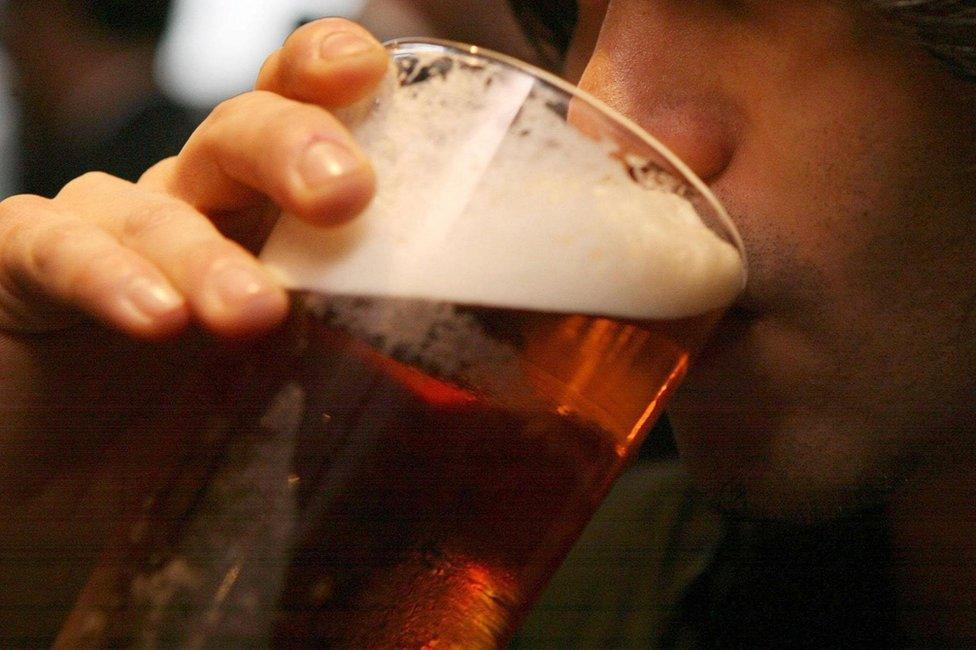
<point>489,196</point>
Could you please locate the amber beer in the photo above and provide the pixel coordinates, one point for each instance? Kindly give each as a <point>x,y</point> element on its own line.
<point>411,490</point>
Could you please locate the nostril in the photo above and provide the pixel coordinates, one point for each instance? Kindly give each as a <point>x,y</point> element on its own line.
<point>703,142</point>
<point>696,120</point>
<point>699,129</point>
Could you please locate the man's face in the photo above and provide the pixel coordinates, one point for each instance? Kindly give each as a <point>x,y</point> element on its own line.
<point>846,156</point>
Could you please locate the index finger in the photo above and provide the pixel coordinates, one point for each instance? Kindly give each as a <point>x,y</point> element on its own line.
<point>331,62</point>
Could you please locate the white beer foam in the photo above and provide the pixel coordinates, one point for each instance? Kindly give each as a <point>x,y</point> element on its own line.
<point>486,197</point>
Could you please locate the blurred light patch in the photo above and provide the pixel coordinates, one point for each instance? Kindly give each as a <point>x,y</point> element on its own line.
<point>215,48</point>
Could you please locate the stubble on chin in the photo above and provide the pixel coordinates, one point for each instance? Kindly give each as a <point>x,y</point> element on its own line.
<point>805,493</point>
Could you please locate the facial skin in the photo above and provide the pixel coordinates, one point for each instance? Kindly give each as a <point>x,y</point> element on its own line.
<point>846,156</point>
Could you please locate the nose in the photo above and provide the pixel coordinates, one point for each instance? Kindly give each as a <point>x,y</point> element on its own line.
<point>671,101</point>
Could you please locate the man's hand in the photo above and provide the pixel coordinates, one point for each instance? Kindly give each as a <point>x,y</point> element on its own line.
<point>93,401</point>
<point>149,258</point>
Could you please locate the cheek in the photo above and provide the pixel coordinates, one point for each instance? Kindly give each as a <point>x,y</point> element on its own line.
<point>845,268</point>
<point>860,230</point>
<point>835,192</point>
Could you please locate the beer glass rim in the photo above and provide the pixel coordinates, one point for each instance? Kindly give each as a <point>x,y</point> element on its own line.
<point>600,106</point>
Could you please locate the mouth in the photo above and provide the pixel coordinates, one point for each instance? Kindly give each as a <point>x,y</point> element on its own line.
<point>747,304</point>
<point>742,309</point>
<point>728,331</point>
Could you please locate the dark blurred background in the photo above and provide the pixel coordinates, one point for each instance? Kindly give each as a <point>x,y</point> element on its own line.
<point>115,85</point>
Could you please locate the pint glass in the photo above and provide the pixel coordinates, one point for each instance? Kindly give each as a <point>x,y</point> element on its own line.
<point>466,369</point>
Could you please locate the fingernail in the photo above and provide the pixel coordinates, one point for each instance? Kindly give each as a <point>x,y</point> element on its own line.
<point>234,284</point>
<point>339,44</point>
<point>325,160</point>
<point>151,297</point>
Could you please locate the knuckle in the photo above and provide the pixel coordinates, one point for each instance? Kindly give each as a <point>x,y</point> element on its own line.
<point>300,124</point>
<point>151,219</point>
<point>13,245</point>
<point>233,106</point>
<point>48,248</point>
<point>20,205</point>
<point>95,272</point>
<point>158,172</point>
<point>86,182</point>
<point>222,126</point>
<point>206,251</point>
<point>197,260</point>
<point>296,130</point>
<point>218,116</point>
<point>220,112</point>
<point>20,219</point>
<point>17,213</point>
<point>11,269</point>
<point>267,75</point>
<point>279,125</point>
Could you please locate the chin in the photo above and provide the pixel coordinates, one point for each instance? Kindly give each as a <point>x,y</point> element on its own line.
<point>767,430</point>
<point>801,475</point>
<point>785,497</point>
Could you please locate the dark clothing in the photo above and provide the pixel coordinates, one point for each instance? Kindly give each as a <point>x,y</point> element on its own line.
<point>658,569</point>
<point>154,130</point>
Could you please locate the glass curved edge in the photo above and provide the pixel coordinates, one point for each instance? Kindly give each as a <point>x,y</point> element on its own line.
<point>438,44</point>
